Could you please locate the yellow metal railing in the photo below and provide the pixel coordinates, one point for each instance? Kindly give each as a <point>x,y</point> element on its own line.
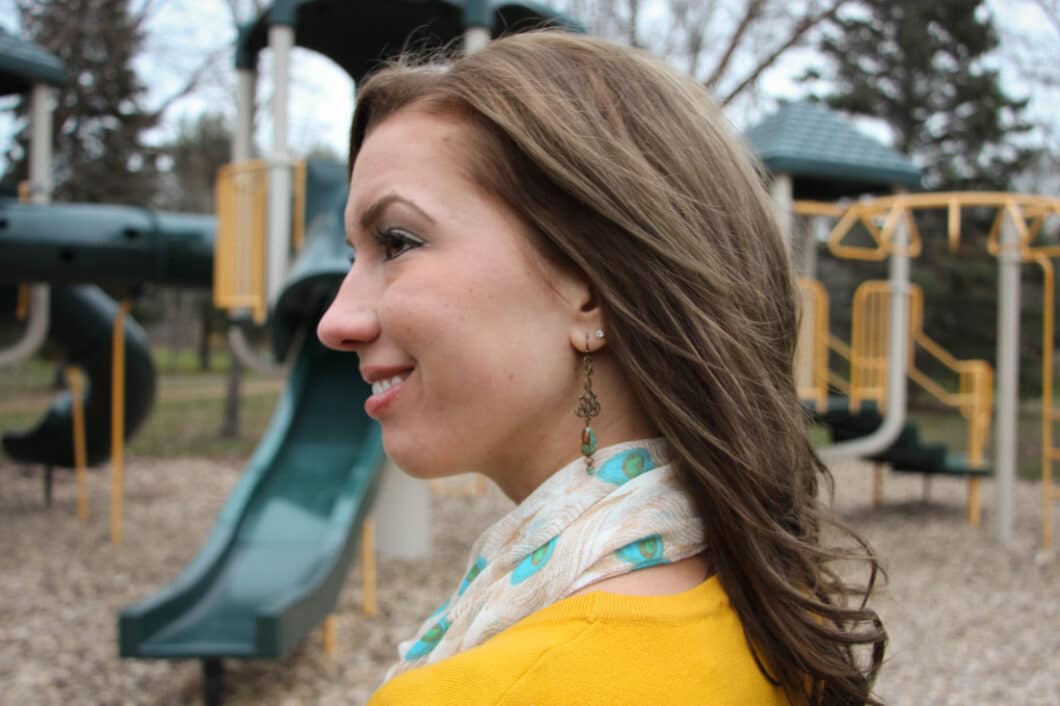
<point>242,233</point>
<point>1028,213</point>
<point>975,396</point>
<point>811,356</point>
<point>868,344</point>
<point>837,346</point>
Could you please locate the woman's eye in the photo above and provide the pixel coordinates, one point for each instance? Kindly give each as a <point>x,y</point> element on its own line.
<point>396,242</point>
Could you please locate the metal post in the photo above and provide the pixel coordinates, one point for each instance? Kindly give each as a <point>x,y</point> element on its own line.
<point>897,353</point>
<point>1008,318</point>
<point>281,39</point>
<point>781,192</point>
<point>40,192</point>
<point>243,137</point>
<point>40,145</point>
<point>402,513</point>
<point>213,670</point>
<point>475,38</point>
<point>478,18</point>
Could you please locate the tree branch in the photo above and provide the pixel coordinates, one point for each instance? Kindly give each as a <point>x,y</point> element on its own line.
<point>193,81</point>
<point>805,25</point>
<point>752,11</point>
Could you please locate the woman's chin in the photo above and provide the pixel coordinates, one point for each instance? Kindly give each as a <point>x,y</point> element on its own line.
<point>415,460</point>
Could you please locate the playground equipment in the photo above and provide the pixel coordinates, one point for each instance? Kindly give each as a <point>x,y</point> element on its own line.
<point>1018,221</point>
<point>27,68</point>
<point>274,564</point>
<point>816,158</point>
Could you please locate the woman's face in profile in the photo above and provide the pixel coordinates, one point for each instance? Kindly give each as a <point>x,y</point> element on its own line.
<point>463,331</point>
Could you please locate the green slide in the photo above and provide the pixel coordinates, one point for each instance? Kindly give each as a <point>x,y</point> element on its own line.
<point>274,564</point>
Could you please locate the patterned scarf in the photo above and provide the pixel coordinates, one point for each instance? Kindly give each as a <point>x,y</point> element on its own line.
<point>575,529</point>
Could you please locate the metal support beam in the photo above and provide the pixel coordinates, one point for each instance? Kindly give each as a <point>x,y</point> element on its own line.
<point>243,137</point>
<point>780,190</point>
<point>1008,333</point>
<point>897,357</point>
<point>281,40</point>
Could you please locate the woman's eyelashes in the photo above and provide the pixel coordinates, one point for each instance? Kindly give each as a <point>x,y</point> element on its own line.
<point>395,242</point>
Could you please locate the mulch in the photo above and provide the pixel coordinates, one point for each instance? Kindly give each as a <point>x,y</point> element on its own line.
<point>970,622</point>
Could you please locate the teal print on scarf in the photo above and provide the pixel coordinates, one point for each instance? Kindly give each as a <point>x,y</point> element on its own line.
<point>439,610</point>
<point>625,466</point>
<point>644,552</point>
<point>429,641</point>
<point>472,574</point>
<point>533,563</point>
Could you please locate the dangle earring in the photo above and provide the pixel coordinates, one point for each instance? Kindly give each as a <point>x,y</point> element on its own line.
<point>588,406</point>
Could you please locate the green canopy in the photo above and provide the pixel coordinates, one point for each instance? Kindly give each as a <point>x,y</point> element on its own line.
<point>356,35</point>
<point>826,156</point>
<point>23,63</point>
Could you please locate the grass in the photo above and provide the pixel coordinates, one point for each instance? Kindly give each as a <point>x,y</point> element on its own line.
<point>190,427</point>
<point>176,427</point>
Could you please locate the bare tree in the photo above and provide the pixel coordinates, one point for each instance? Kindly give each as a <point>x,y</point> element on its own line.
<point>726,44</point>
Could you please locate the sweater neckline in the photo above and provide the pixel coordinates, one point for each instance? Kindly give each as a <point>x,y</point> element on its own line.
<point>697,602</point>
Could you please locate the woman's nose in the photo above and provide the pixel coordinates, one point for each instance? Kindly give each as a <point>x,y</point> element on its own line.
<point>351,320</point>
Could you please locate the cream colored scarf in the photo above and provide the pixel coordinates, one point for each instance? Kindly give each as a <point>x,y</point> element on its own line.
<point>575,529</point>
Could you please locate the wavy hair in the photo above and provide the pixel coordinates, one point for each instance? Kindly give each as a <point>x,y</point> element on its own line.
<point>628,171</point>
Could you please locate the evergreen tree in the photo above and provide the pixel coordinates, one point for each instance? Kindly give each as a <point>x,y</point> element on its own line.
<point>98,118</point>
<point>920,67</point>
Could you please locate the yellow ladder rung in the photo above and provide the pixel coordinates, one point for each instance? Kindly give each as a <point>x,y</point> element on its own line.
<point>1053,454</point>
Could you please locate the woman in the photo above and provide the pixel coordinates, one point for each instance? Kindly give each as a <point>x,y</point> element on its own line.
<point>567,278</point>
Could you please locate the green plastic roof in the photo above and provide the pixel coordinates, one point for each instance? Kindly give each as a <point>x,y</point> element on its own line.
<point>827,154</point>
<point>23,63</point>
<point>356,35</point>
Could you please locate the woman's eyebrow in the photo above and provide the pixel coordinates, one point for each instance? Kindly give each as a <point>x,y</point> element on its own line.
<point>372,212</point>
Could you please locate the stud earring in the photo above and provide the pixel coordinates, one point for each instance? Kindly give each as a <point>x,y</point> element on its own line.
<point>588,407</point>
<point>599,333</point>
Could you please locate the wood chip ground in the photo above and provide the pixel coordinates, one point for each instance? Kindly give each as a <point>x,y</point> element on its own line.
<point>970,622</point>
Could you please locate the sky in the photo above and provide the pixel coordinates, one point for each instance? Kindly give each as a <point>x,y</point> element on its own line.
<point>185,34</point>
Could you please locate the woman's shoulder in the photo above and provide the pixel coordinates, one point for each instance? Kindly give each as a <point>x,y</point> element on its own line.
<point>602,648</point>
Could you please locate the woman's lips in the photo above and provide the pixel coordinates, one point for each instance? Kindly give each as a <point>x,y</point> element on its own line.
<point>384,392</point>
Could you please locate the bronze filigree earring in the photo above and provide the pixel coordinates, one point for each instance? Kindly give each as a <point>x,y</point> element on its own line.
<point>588,406</point>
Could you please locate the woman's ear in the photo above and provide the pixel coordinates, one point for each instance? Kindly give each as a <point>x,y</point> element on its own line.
<point>587,324</point>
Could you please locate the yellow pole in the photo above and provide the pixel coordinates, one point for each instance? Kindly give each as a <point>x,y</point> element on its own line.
<point>117,422</point>
<point>22,303</point>
<point>73,379</point>
<point>877,484</point>
<point>1048,313</point>
<point>973,502</point>
<point>368,602</point>
<point>330,635</point>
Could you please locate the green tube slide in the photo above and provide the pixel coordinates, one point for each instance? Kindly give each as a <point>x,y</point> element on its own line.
<point>73,247</point>
<point>81,321</point>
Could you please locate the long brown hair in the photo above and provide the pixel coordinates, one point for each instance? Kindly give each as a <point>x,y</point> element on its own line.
<point>629,172</point>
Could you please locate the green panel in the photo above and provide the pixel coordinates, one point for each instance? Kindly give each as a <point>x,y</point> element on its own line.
<point>356,36</point>
<point>23,63</point>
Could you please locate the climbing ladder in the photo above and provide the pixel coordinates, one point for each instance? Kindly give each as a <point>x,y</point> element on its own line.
<point>859,411</point>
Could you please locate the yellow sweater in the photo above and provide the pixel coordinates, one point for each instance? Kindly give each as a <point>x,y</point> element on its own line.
<point>601,648</point>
